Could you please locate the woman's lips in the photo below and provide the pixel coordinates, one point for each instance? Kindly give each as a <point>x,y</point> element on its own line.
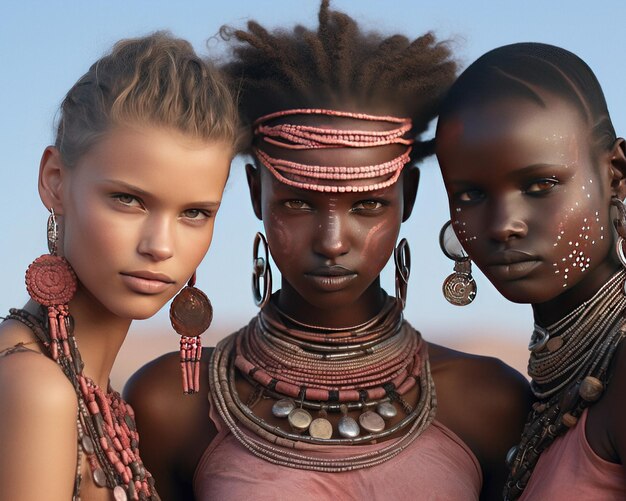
<point>146,282</point>
<point>512,265</point>
<point>330,278</point>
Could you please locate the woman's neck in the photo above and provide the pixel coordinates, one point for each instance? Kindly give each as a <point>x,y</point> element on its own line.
<point>551,311</point>
<point>336,316</point>
<point>99,334</point>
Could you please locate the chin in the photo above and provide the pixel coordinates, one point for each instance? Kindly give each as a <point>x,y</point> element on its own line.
<point>524,293</point>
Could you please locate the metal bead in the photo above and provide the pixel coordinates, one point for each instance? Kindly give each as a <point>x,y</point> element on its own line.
<point>87,444</point>
<point>119,494</point>
<point>569,420</point>
<point>386,410</point>
<point>99,477</point>
<point>511,455</point>
<point>321,428</point>
<point>282,408</point>
<point>372,422</point>
<point>299,420</point>
<point>591,389</point>
<point>554,344</point>
<point>348,427</point>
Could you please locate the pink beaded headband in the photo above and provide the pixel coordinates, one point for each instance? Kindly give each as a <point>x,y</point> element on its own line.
<point>306,137</point>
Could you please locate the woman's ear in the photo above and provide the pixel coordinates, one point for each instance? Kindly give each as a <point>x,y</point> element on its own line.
<point>51,174</point>
<point>618,168</point>
<point>253,175</point>
<point>411,180</point>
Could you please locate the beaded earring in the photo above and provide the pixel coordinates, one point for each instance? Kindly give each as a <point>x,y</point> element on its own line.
<point>191,314</point>
<point>402,260</point>
<point>459,288</point>
<point>261,271</point>
<point>51,282</point>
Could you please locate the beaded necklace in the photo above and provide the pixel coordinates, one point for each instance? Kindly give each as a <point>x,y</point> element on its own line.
<point>568,364</point>
<point>301,375</point>
<point>107,434</point>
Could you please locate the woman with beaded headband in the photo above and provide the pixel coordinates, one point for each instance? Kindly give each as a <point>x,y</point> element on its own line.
<point>328,393</point>
<point>533,167</point>
<point>132,183</point>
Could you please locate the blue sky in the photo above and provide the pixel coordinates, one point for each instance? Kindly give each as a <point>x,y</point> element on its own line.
<point>46,45</point>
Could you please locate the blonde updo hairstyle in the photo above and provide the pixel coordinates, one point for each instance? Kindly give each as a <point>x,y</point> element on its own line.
<point>156,79</point>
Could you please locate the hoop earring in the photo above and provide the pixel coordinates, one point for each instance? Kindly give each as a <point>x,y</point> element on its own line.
<point>459,288</point>
<point>261,271</point>
<point>51,282</point>
<point>402,260</point>
<point>620,226</point>
<point>191,314</point>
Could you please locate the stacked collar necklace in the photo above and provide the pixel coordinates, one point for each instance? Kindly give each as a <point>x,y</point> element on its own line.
<point>314,370</point>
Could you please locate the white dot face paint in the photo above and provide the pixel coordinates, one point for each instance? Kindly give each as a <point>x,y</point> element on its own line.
<point>527,198</point>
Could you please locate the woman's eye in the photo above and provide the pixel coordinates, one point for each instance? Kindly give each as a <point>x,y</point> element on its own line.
<point>297,205</point>
<point>126,199</point>
<point>542,185</point>
<point>367,205</point>
<point>469,196</point>
<point>197,214</point>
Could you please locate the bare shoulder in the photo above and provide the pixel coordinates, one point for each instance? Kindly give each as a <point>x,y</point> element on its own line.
<point>487,380</point>
<point>13,332</point>
<point>614,404</point>
<point>37,428</point>
<point>174,428</point>
<point>485,402</point>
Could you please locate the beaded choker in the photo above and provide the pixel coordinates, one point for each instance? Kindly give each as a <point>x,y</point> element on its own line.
<point>323,178</point>
<point>106,425</point>
<point>308,369</point>
<point>568,365</point>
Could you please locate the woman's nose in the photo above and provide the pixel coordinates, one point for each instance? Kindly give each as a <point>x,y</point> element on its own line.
<point>157,239</point>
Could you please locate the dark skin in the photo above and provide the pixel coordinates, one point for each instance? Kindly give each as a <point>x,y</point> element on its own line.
<point>480,399</point>
<point>529,193</point>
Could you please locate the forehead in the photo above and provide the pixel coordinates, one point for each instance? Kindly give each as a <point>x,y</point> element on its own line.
<point>512,131</point>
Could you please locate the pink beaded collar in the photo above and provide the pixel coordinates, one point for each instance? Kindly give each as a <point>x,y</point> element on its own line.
<point>306,137</point>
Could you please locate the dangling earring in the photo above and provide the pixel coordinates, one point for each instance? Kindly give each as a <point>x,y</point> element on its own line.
<point>620,226</point>
<point>261,270</point>
<point>51,282</point>
<point>191,314</point>
<point>402,259</point>
<point>459,288</point>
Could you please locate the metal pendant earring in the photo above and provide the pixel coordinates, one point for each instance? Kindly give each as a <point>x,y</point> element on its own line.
<point>620,226</point>
<point>459,288</point>
<point>261,271</point>
<point>51,282</point>
<point>191,314</point>
<point>402,260</point>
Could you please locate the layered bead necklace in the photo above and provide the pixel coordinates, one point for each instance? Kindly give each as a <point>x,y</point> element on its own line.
<point>568,365</point>
<point>107,433</point>
<point>308,369</point>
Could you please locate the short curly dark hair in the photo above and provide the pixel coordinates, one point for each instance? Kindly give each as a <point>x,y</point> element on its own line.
<point>339,66</point>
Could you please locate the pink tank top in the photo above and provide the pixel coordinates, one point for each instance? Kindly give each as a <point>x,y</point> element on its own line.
<point>570,470</point>
<point>437,466</point>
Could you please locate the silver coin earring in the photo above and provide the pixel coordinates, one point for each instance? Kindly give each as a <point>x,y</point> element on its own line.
<point>459,288</point>
<point>261,271</point>
<point>402,260</point>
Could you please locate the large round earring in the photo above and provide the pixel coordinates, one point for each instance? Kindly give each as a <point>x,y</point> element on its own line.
<point>459,288</point>
<point>620,226</point>
<point>51,282</point>
<point>191,314</point>
<point>261,271</point>
<point>402,260</point>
